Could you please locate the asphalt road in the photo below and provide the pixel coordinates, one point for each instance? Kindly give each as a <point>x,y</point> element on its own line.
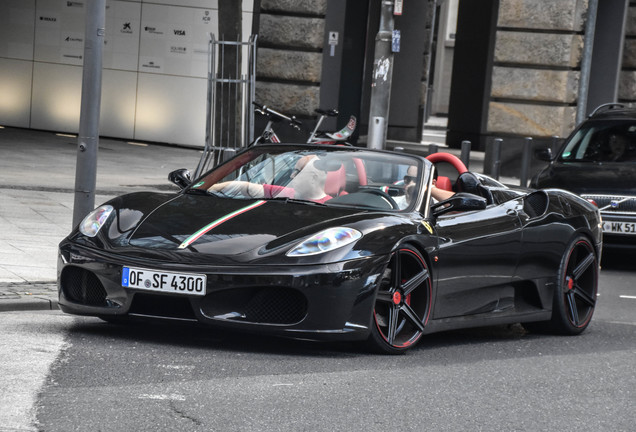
<point>96,376</point>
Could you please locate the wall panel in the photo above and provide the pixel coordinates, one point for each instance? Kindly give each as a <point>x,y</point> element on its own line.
<point>15,92</point>
<point>154,66</point>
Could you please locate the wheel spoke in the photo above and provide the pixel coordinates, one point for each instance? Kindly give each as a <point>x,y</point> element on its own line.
<point>385,297</point>
<point>583,266</point>
<point>393,324</point>
<point>415,281</point>
<point>412,317</point>
<point>584,296</point>
<point>396,271</point>
<point>574,313</point>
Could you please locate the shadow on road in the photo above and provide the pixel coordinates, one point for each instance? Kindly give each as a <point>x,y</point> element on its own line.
<point>458,346</point>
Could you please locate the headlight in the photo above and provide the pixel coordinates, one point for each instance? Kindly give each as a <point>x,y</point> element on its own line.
<point>325,241</point>
<point>93,222</point>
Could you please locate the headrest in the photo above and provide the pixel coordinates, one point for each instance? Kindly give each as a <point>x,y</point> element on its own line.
<point>444,183</point>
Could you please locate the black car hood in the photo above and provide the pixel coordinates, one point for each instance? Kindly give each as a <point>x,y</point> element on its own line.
<point>221,226</point>
<point>590,178</point>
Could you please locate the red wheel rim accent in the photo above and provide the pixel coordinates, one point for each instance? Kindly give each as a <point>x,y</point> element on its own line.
<point>397,297</point>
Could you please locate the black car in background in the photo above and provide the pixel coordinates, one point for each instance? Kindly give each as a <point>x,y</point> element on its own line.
<point>598,162</point>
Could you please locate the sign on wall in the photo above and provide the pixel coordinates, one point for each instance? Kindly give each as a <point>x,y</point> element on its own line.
<point>174,40</point>
<point>59,32</point>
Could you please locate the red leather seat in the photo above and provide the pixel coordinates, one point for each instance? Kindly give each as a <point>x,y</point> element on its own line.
<point>336,182</point>
<point>444,183</point>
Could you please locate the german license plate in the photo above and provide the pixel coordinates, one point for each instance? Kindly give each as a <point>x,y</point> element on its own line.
<point>167,282</point>
<point>628,228</point>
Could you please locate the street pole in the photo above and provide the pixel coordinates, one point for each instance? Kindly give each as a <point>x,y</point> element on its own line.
<point>88,137</point>
<point>381,80</point>
<point>586,61</point>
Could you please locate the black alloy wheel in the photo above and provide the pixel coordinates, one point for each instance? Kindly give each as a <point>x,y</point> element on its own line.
<point>403,302</point>
<point>575,295</point>
<point>578,286</point>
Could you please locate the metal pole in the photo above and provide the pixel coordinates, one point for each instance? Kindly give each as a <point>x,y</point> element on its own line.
<point>381,80</point>
<point>586,61</point>
<point>554,145</point>
<point>465,154</point>
<point>525,161</point>
<point>429,86</point>
<point>88,137</point>
<point>496,157</point>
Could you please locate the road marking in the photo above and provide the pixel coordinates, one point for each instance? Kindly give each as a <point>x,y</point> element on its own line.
<point>30,341</point>
<point>620,322</point>
<point>628,297</point>
<point>173,397</point>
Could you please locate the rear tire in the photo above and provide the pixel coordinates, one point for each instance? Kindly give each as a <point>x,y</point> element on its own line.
<point>575,294</point>
<point>403,303</point>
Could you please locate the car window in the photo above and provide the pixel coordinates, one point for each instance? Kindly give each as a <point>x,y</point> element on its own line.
<point>602,141</point>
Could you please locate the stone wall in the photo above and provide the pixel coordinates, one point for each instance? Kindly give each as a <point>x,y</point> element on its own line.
<point>627,84</point>
<point>536,67</point>
<point>289,57</point>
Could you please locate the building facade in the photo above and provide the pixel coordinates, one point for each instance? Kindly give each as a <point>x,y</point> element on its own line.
<point>496,68</point>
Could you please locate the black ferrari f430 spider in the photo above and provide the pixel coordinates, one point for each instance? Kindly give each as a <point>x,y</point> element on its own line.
<point>337,243</point>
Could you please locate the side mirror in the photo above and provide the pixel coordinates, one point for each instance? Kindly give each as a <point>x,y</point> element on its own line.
<point>180,177</point>
<point>544,154</point>
<point>461,201</point>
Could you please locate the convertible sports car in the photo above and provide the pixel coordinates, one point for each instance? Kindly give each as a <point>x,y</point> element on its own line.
<point>337,243</point>
<point>598,162</point>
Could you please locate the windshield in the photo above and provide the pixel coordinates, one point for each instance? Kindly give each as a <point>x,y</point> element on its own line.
<point>335,176</point>
<point>602,141</point>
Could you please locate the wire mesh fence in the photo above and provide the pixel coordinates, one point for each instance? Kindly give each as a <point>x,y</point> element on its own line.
<point>230,93</point>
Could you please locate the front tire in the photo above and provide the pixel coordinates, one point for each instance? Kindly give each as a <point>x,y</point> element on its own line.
<point>403,302</point>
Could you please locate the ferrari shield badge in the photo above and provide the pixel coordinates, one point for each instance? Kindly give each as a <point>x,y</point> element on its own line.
<point>428,227</point>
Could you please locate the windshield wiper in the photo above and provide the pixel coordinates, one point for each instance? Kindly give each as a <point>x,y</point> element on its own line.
<point>197,192</point>
<point>295,201</point>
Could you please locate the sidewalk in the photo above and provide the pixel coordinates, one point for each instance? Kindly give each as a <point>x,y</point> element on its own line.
<point>37,182</point>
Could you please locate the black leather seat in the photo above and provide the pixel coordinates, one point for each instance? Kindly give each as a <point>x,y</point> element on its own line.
<point>468,182</point>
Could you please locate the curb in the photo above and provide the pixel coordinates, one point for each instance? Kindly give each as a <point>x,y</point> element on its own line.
<point>33,303</point>
<point>33,296</point>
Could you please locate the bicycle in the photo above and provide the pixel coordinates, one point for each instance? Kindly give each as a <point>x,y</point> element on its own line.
<point>338,137</point>
<point>268,135</point>
<point>316,136</point>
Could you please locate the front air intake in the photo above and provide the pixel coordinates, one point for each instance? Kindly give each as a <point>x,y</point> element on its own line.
<point>83,287</point>
<point>263,305</point>
<point>536,204</point>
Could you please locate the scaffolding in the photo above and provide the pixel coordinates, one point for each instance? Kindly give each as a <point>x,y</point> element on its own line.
<point>231,87</point>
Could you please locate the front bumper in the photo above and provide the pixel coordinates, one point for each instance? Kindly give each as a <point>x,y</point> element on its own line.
<point>325,301</point>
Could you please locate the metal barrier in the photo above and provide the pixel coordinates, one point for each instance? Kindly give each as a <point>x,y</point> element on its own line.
<point>496,158</point>
<point>493,157</point>
<point>465,154</point>
<point>231,87</point>
<point>526,156</point>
